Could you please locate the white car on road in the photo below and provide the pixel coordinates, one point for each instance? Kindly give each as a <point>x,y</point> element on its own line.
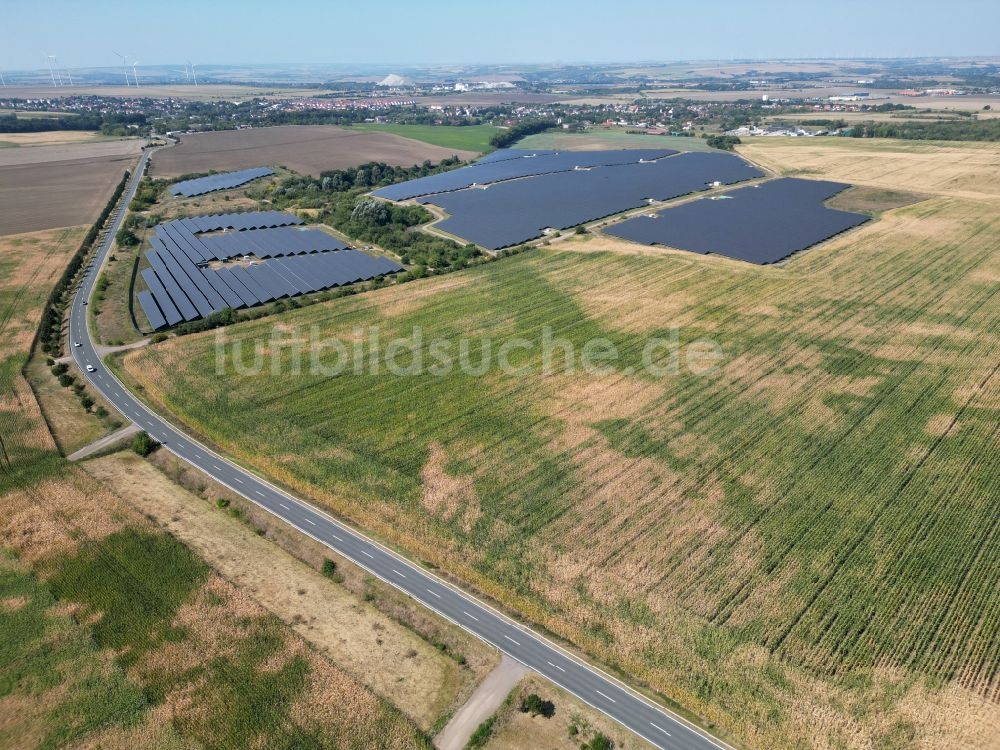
<point>90,368</point>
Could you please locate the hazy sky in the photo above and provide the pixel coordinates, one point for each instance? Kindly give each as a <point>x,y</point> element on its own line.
<point>424,32</point>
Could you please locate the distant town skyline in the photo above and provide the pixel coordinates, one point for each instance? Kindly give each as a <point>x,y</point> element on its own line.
<point>440,32</point>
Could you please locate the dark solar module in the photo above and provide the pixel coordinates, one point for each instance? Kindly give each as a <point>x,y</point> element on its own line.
<point>251,284</point>
<point>759,224</point>
<point>153,314</point>
<point>163,300</point>
<point>176,293</point>
<point>248,298</point>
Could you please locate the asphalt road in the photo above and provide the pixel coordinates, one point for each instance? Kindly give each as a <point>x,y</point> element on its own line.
<point>592,686</point>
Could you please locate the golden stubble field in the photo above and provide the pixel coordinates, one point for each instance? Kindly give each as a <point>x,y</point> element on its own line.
<point>801,547</point>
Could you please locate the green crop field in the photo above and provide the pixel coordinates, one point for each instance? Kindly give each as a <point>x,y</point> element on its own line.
<point>802,542</point>
<point>465,138</point>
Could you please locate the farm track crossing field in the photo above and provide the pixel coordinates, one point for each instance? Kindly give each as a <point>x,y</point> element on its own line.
<point>307,149</point>
<point>802,546</point>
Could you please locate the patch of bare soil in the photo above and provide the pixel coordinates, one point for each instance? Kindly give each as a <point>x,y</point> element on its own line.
<point>307,149</point>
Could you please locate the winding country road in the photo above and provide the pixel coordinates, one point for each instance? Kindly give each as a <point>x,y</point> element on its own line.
<point>594,687</point>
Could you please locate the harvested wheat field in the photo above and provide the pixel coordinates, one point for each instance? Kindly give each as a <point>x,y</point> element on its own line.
<point>954,168</point>
<point>307,149</point>
<point>60,185</point>
<point>800,544</point>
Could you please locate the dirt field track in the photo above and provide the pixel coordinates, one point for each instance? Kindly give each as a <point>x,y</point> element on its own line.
<point>307,149</point>
<point>57,186</point>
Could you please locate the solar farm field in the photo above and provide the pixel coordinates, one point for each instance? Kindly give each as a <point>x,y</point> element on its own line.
<point>307,149</point>
<point>801,545</point>
<point>759,224</point>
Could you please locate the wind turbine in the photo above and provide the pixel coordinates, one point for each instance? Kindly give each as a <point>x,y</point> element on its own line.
<point>134,74</point>
<point>48,59</point>
<point>193,74</point>
<point>124,64</point>
<point>3,81</point>
<point>55,62</point>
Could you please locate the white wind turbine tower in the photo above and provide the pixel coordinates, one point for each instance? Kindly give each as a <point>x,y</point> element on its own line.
<point>124,65</point>
<point>55,63</point>
<point>193,74</point>
<point>48,59</point>
<point>135,75</point>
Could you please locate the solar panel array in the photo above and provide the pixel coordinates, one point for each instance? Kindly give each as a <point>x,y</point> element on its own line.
<point>223,181</point>
<point>515,211</point>
<point>180,287</point>
<point>240,221</point>
<point>509,164</point>
<point>760,224</point>
<point>264,234</point>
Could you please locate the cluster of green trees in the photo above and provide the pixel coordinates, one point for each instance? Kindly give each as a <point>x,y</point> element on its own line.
<point>110,124</point>
<point>389,226</point>
<point>148,193</point>
<point>943,130</point>
<point>316,192</point>
<point>50,328</point>
<point>339,195</point>
<point>535,705</point>
<point>724,142</point>
<point>67,380</point>
<point>506,138</point>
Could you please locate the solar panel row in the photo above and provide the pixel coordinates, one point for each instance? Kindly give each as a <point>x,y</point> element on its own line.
<point>516,211</point>
<point>223,181</point>
<point>178,237</point>
<point>760,224</point>
<point>500,166</point>
<point>267,243</point>
<point>511,153</point>
<point>180,291</point>
<point>246,220</point>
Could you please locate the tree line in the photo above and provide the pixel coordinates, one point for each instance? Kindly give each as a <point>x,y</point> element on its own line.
<point>509,137</point>
<point>50,328</point>
<point>947,130</point>
<point>109,124</point>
